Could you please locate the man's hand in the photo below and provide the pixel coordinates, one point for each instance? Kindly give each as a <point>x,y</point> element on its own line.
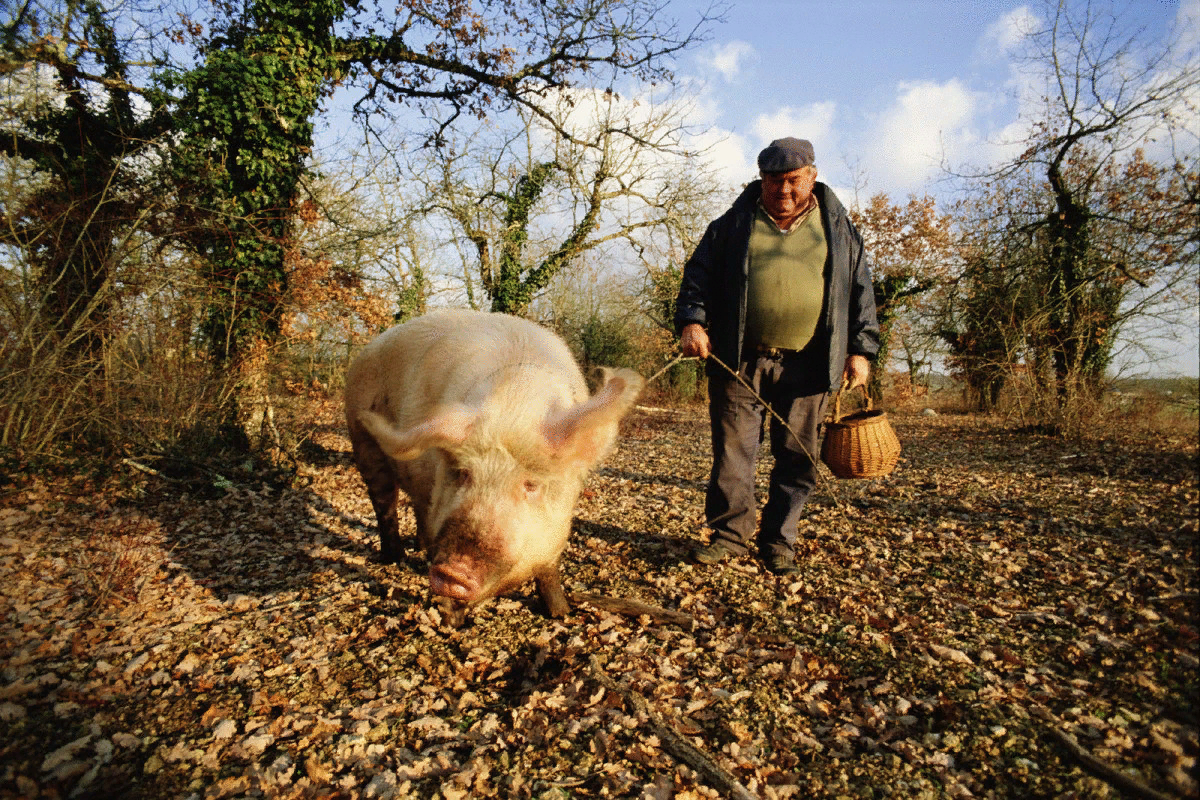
<point>694,341</point>
<point>857,371</point>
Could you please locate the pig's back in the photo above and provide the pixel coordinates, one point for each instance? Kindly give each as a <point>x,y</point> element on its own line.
<point>458,356</point>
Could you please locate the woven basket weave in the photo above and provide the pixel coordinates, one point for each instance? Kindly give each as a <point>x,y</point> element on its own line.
<point>859,445</point>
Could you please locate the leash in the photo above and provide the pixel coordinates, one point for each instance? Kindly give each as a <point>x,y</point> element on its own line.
<point>825,477</point>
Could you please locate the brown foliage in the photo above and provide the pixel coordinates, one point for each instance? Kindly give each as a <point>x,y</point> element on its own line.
<point>999,586</point>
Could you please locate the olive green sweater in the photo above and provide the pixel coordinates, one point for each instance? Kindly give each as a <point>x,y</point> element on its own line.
<point>786,281</point>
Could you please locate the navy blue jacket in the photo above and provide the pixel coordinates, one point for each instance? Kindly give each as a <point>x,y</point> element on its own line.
<point>713,291</point>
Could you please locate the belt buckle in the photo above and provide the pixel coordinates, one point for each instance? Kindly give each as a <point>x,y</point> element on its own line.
<point>772,352</point>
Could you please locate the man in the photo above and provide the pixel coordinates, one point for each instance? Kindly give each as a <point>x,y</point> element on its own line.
<point>778,289</point>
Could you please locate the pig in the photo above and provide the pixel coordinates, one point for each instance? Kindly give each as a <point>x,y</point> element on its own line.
<point>485,422</point>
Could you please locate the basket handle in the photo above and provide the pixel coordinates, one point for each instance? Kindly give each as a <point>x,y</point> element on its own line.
<point>837,399</point>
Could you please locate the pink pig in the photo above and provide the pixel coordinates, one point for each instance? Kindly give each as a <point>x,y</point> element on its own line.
<point>484,420</point>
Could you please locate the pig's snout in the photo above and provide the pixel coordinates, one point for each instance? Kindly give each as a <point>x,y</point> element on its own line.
<point>450,580</point>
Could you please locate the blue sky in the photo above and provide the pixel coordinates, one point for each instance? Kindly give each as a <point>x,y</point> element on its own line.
<point>885,89</point>
<point>888,85</point>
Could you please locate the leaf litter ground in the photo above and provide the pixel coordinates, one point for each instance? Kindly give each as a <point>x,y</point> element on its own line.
<point>953,623</point>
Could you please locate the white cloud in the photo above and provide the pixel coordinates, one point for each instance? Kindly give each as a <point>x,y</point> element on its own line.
<point>725,155</point>
<point>733,156</point>
<point>1030,83</point>
<point>1007,42</point>
<point>813,122</point>
<point>927,122</point>
<point>728,59</point>
<point>1187,23</point>
<point>1006,34</point>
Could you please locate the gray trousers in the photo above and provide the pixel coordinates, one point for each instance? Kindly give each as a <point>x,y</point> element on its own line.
<point>788,384</point>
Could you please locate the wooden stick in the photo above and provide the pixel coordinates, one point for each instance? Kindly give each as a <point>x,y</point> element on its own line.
<point>1105,771</point>
<point>632,608</point>
<point>129,462</point>
<point>673,743</point>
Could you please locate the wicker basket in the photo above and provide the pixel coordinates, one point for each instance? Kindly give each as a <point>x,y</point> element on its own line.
<point>859,445</point>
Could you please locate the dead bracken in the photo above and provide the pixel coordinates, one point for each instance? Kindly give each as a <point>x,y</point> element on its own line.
<point>957,625</point>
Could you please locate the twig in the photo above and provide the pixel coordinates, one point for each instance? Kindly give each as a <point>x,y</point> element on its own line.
<point>819,468</point>
<point>822,472</point>
<point>1106,771</point>
<point>670,364</point>
<point>1164,598</point>
<point>657,410</point>
<point>632,608</point>
<point>269,422</point>
<point>129,462</point>
<point>673,743</point>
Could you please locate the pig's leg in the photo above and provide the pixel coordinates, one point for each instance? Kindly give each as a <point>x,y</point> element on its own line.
<point>384,502</point>
<point>378,475</point>
<point>549,584</point>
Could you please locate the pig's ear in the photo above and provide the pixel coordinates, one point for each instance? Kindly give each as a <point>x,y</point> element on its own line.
<point>448,428</point>
<point>585,432</point>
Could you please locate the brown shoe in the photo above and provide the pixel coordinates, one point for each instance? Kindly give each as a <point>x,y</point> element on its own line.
<point>714,553</point>
<point>782,565</point>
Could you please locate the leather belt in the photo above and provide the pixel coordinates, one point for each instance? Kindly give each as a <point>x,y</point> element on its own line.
<point>774,352</point>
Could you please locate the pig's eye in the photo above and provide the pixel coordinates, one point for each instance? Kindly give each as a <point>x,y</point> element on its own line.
<point>532,487</point>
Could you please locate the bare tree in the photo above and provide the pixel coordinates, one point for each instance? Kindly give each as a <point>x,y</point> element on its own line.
<point>239,119</point>
<point>1105,228</point>
<point>480,59</point>
<point>532,203</point>
<point>69,112</point>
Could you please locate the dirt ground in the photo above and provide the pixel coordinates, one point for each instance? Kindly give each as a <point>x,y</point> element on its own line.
<point>1007,615</point>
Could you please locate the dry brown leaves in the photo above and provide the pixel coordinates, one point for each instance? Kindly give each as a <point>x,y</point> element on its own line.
<point>996,588</point>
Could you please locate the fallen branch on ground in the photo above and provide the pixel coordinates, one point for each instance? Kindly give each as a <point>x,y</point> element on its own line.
<point>632,608</point>
<point>1105,771</point>
<point>673,743</point>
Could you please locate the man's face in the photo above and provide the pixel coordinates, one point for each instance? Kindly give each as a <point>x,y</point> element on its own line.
<point>785,194</point>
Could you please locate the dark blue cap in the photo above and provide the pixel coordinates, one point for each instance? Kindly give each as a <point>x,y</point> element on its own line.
<point>785,155</point>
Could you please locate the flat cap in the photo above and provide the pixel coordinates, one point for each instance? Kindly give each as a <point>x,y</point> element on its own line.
<point>784,155</point>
